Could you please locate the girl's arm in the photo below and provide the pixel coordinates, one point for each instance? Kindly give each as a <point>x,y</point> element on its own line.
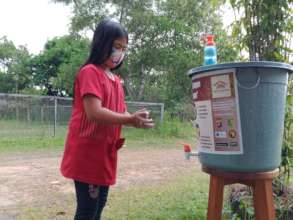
<point>127,113</point>
<point>95,111</point>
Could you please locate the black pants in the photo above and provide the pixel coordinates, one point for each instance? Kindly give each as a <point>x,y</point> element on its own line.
<point>91,200</point>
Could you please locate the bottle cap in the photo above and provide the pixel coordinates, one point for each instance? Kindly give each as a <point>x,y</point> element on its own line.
<point>210,39</point>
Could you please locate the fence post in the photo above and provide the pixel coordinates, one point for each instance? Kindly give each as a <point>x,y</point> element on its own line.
<point>42,114</point>
<point>162,113</point>
<point>17,112</point>
<point>28,113</point>
<point>55,114</point>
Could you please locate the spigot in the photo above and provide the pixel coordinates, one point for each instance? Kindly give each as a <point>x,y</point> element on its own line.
<point>188,153</point>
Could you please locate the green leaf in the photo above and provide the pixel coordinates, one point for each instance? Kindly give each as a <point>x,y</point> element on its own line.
<point>290,100</point>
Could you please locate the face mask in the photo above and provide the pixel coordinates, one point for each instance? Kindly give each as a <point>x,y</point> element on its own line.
<point>117,56</point>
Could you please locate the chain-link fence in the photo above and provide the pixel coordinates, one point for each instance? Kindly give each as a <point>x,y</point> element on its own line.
<point>29,115</point>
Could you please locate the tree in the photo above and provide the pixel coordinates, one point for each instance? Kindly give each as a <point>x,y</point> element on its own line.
<point>266,28</point>
<point>165,41</point>
<point>87,13</point>
<point>170,42</point>
<point>15,74</point>
<point>54,69</point>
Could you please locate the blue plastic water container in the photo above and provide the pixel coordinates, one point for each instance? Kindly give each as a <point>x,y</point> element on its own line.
<point>262,88</point>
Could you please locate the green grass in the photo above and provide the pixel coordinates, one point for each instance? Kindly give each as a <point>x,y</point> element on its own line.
<point>22,136</point>
<point>170,128</point>
<point>29,144</point>
<point>183,198</point>
<point>168,135</point>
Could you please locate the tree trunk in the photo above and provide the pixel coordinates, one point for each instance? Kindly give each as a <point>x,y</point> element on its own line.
<point>122,12</point>
<point>129,88</point>
<point>142,82</point>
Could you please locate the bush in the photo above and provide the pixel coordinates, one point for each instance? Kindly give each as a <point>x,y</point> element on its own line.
<point>183,111</point>
<point>240,200</point>
<point>172,127</point>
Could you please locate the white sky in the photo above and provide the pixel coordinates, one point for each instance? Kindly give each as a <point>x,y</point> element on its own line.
<point>33,22</point>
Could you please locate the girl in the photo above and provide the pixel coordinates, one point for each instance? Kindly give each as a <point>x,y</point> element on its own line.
<point>99,111</point>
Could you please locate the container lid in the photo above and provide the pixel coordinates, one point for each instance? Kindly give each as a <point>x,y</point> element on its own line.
<point>260,64</point>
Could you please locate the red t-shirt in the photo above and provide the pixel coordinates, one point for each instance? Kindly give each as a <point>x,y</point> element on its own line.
<point>90,153</point>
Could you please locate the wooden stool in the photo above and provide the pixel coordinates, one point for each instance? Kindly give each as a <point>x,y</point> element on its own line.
<point>261,182</point>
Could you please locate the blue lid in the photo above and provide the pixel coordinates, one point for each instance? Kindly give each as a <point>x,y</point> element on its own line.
<point>261,64</point>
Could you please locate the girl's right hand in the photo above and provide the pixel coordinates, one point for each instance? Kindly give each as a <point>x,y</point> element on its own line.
<point>140,119</point>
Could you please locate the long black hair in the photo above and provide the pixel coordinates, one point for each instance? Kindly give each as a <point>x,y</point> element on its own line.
<point>105,34</point>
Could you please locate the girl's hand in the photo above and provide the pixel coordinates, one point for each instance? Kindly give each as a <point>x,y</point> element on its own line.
<point>140,119</point>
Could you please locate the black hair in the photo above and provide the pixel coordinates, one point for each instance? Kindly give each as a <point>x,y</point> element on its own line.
<point>105,34</point>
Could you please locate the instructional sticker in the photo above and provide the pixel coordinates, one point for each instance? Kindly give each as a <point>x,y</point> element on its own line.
<point>215,97</point>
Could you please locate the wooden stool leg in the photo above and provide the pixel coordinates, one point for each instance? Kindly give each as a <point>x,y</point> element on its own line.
<point>215,198</point>
<point>263,200</point>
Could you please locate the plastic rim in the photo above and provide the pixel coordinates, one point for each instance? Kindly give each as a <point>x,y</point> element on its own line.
<point>260,64</point>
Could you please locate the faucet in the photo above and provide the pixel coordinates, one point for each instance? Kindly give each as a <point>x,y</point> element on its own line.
<point>187,151</point>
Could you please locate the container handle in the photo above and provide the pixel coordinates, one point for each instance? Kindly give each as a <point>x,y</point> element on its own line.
<point>250,87</point>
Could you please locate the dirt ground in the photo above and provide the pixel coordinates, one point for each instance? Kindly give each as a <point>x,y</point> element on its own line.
<point>27,178</point>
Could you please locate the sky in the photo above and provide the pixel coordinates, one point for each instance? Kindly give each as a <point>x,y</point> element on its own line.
<point>33,22</point>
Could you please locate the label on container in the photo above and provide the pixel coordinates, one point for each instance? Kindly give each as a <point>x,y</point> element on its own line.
<point>215,97</point>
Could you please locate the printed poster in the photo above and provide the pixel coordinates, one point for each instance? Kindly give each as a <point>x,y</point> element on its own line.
<point>215,97</point>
